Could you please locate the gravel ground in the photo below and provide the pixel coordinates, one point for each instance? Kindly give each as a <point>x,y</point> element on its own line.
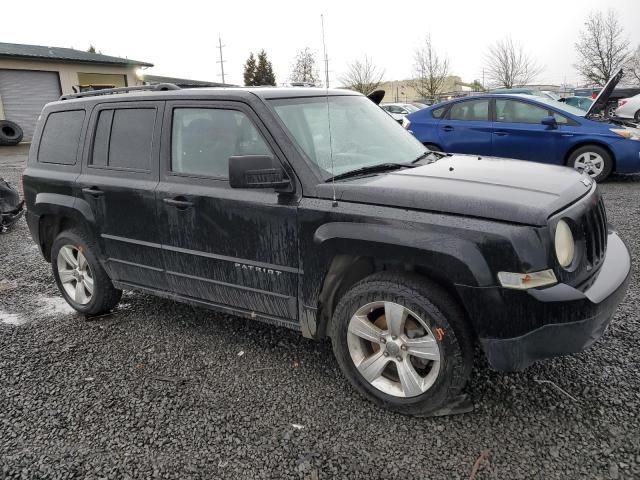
<point>164,390</point>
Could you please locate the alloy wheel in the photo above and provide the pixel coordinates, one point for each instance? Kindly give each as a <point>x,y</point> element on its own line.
<point>75,274</point>
<point>393,349</point>
<point>590,163</point>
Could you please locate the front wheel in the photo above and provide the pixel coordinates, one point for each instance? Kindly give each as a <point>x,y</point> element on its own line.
<point>83,282</point>
<point>592,160</point>
<point>403,343</point>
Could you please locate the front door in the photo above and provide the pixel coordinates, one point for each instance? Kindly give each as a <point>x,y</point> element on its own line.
<point>466,128</point>
<point>118,181</point>
<point>232,248</point>
<point>519,133</point>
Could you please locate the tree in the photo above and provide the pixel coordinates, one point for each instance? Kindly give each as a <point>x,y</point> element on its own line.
<point>430,70</point>
<point>250,71</point>
<point>362,76</point>
<point>602,47</point>
<point>476,86</point>
<point>91,49</point>
<point>509,65</point>
<point>304,67</point>
<point>633,67</point>
<point>264,71</point>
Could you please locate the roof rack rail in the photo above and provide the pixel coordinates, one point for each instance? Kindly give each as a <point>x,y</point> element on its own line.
<point>110,91</point>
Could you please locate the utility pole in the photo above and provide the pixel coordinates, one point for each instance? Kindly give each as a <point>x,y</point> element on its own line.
<point>326,59</point>
<point>221,61</point>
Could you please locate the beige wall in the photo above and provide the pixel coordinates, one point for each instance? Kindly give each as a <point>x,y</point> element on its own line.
<point>407,93</point>
<point>68,72</point>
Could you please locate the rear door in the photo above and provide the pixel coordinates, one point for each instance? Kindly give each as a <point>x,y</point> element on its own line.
<point>519,133</point>
<point>118,181</point>
<point>466,128</point>
<point>229,247</point>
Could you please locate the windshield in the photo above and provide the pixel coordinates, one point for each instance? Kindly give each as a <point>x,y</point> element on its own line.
<point>411,108</point>
<point>362,134</point>
<point>561,106</point>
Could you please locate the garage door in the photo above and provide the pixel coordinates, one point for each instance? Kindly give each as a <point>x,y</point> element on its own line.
<point>23,94</point>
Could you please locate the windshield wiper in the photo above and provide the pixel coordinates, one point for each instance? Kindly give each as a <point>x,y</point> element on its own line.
<point>437,155</point>
<point>381,167</point>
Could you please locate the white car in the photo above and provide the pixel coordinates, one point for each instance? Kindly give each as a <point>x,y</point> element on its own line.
<point>399,110</point>
<point>629,108</point>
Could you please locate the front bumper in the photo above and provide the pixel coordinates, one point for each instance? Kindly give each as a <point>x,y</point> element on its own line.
<point>517,328</point>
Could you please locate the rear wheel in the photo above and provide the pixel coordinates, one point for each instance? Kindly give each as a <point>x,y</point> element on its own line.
<point>592,160</point>
<point>403,343</point>
<point>83,282</point>
<point>637,116</point>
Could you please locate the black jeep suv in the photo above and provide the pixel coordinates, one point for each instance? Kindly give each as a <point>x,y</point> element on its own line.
<point>316,211</point>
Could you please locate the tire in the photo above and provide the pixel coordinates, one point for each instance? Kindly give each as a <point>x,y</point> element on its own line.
<point>10,133</point>
<point>432,147</point>
<point>448,335</point>
<point>596,154</point>
<point>636,117</point>
<point>103,296</point>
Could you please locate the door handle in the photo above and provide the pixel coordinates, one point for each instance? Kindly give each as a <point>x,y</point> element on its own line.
<point>180,203</point>
<point>447,128</point>
<point>93,191</point>
<point>501,134</point>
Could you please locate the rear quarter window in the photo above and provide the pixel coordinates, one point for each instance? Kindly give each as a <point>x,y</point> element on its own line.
<point>61,137</point>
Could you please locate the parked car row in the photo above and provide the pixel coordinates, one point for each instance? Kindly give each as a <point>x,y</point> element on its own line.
<point>533,128</point>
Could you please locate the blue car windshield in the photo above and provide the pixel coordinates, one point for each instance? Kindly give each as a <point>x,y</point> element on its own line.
<point>362,134</point>
<point>561,106</point>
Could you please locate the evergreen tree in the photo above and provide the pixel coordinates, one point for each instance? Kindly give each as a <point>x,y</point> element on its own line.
<point>264,71</point>
<point>250,71</point>
<point>91,49</point>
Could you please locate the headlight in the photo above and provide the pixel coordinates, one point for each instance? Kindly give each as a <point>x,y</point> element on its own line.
<point>628,133</point>
<point>565,245</point>
<point>406,123</point>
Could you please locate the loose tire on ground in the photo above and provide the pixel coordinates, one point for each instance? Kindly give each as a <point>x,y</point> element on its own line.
<point>594,152</point>
<point>10,133</point>
<point>102,296</point>
<point>446,324</point>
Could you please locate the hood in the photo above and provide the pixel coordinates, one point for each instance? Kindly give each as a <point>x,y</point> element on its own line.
<point>601,100</point>
<point>495,188</point>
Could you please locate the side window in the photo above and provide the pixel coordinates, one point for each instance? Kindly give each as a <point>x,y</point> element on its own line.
<point>470,110</point>
<point>437,113</point>
<point>561,119</point>
<point>203,139</point>
<point>61,137</point>
<point>513,111</point>
<point>124,138</point>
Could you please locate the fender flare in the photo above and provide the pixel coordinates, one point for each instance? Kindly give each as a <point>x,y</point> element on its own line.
<point>448,259</point>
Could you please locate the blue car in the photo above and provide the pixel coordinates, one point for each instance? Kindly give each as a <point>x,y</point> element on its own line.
<point>531,128</point>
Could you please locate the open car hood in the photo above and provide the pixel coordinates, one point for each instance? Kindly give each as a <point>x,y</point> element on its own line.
<point>603,97</point>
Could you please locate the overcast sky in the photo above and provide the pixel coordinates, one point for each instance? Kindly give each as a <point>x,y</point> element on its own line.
<point>180,37</point>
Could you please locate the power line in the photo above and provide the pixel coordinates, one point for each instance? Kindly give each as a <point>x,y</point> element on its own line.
<point>221,61</point>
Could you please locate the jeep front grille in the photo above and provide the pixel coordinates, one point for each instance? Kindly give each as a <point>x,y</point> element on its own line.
<point>594,227</point>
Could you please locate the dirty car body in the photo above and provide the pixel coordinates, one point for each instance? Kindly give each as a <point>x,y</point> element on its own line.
<point>299,215</point>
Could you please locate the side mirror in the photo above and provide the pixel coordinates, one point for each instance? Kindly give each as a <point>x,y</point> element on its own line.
<point>257,171</point>
<point>550,121</point>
